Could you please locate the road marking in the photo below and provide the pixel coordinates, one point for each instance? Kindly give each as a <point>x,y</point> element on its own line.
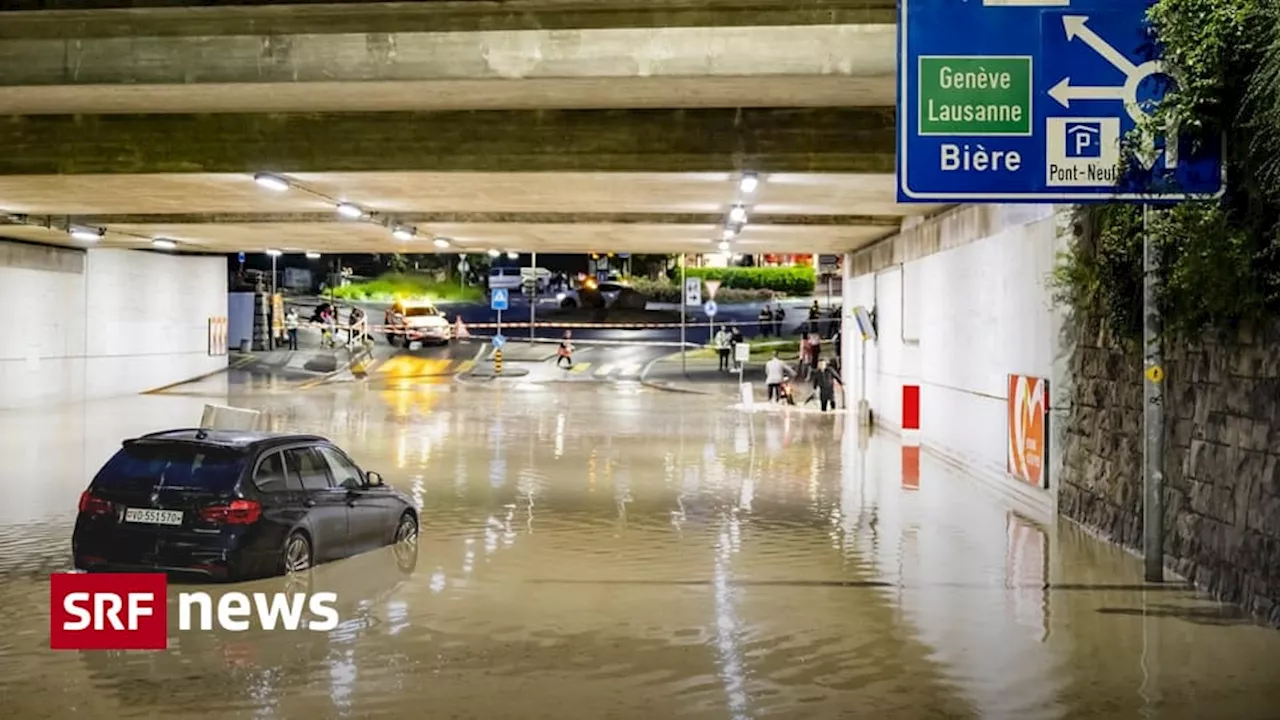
<point>465,366</point>
<point>604,370</point>
<point>632,369</point>
<point>580,368</point>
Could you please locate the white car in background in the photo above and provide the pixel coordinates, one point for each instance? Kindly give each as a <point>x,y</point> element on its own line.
<point>511,278</point>
<point>416,321</point>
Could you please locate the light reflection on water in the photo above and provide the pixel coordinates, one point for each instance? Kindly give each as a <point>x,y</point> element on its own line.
<point>647,557</point>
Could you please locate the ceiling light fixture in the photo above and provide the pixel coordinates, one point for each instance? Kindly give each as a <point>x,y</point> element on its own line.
<point>441,242</point>
<point>313,256</point>
<point>272,252</point>
<point>512,255</point>
<point>494,253</point>
<point>272,182</point>
<point>350,210</point>
<point>164,244</point>
<point>724,246</point>
<point>750,181</point>
<point>404,232</point>
<point>729,233</point>
<point>738,214</point>
<point>87,234</point>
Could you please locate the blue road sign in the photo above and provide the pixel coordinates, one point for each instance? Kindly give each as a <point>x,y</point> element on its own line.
<point>1028,101</point>
<point>710,308</point>
<point>499,341</point>
<point>498,299</point>
<point>240,257</point>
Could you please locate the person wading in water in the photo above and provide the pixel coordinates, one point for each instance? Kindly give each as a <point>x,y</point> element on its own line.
<point>564,353</point>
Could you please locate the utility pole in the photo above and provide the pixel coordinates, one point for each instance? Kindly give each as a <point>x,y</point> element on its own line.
<point>533,298</point>
<point>1152,408</point>
<point>684,360</point>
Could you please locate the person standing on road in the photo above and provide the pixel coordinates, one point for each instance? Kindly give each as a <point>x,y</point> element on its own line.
<point>775,373</point>
<point>815,317</point>
<point>355,321</point>
<point>564,353</point>
<point>291,327</point>
<point>825,380</point>
<point>766,321</point>
<point>735,339</point>
<point>778,316</point>
<point>721,343</point>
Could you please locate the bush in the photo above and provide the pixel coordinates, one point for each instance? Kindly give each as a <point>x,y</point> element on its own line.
<point>786,280</point>
<point>392,286</point>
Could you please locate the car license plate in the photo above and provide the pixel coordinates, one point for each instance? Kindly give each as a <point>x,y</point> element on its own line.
<point>153,517</point>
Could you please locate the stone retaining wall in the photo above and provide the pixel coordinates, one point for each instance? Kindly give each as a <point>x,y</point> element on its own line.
<point>1222,458</point>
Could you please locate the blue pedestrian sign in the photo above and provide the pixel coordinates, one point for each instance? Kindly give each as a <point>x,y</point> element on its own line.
<point>240,257</point>
<point>710,308</point>
<point>498,299</point>
<point>499,341</point>
<point>1030,100</point>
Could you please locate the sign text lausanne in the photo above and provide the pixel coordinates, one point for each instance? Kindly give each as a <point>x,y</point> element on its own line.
<point>1029,100</point>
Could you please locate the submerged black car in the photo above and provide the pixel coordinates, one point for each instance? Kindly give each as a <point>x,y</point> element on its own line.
<point>231,505</point>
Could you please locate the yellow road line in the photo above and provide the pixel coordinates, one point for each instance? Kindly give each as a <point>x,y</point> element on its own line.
<point>464,366</point>
<point>580,368</point>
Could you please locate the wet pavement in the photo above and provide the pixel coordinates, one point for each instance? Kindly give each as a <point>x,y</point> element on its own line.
<point>603,550</point>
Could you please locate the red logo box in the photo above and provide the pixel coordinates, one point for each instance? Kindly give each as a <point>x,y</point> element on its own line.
<point>108,611</point>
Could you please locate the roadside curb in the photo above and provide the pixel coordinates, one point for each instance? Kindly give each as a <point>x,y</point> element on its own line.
<point>239,363</point>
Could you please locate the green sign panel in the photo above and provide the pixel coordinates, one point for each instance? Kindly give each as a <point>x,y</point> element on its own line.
<point>975,95</point>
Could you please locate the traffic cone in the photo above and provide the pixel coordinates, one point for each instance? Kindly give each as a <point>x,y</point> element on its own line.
<point>460,329</point>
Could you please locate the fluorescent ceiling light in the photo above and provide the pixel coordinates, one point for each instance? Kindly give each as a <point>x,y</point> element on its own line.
<point>313,256</point>
<point>724,246</point>
<point>86,234</point>
<point>738,214</point>
<point>749,183</point>
<point>164,243</point>
<point>271,182</point>
<point>273,252</point>
<point>729,233</point>
<point>441,242</point>
<point>512,255</point>
<point>403,233</point>
<point>494,253</point>
<point>350,210</point>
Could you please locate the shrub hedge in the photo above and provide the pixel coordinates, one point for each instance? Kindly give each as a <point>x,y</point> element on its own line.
<point>786,280</point>
<point>407,286</point>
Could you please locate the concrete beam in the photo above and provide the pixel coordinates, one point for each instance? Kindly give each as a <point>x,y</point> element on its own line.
<point>514,218</point>
<point>844,140</point>
<point>831,65</point>
<point>67,19</point>
<point>29,256</point>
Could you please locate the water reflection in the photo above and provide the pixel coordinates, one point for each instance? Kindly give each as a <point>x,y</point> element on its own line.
<point>647,557</point>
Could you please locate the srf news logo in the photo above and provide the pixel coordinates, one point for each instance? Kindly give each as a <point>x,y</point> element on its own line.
<point>130,611</point>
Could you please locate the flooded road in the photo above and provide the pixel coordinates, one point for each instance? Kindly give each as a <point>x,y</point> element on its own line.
<point>607,551</point>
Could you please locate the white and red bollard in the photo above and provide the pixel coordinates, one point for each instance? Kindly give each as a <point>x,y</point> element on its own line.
<point>911,437</point>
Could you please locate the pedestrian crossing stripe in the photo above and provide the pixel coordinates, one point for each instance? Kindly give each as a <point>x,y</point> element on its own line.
<point>580,368</point>
<point>619,370</point>
<point>604,370</point>
<point>407,366</point>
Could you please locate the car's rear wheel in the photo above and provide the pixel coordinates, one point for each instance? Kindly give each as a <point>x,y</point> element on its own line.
<point>297,556</point>
<point>407,529</point>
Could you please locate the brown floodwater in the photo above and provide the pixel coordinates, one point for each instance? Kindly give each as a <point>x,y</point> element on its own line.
<point>603,551</point>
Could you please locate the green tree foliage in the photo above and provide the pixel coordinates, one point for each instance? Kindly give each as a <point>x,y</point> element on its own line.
<point>786,280</point>
<point>1221,258</point>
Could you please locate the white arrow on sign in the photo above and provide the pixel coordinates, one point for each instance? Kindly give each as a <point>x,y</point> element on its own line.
<point>1064,92</point>
<point>1076,27</point>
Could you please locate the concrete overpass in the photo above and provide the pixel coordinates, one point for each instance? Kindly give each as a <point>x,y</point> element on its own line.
<point>545,125</point>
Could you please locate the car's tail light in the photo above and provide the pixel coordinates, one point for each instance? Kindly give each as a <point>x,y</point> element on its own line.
<point>94,505</point>
<point>237,512</point>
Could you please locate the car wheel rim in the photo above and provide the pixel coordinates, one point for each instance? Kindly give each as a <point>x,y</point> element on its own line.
<point>297,556</point>
<point>407,532</point>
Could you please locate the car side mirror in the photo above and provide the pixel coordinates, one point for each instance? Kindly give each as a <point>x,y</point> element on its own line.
<point>373,478</point>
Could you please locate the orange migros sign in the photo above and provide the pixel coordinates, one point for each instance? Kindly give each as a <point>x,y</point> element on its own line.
<point>1028,429</point>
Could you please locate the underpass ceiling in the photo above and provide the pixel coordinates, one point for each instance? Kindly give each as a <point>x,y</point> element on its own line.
<point>544,212</point>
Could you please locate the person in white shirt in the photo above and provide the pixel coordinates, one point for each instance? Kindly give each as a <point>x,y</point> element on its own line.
<point>775,373</point>
<point>721,343</point>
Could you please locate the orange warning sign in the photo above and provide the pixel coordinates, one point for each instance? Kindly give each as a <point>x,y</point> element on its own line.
<point>1028,429</point>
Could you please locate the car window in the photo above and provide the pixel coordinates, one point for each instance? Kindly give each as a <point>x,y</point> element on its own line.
<point>270,475</point>
<point>344,471</point>
<point>172,465</point>
<point>309,468</point>
<point>425,311</point>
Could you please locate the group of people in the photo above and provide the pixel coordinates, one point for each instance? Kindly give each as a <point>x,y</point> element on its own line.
<point>326,316</point>
<point>826,327</point>
<point>726,341</point>
<point>823,376</point>
<point>770,320</point>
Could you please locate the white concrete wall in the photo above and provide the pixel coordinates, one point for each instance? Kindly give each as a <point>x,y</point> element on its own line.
<point>978,298</point>
<point>127,322</point>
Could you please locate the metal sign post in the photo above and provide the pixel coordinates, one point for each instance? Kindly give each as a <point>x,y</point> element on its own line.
<point>684,301</point>
<point>1152,409</point>
<point>533,298</point>
<point>499,301</point>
